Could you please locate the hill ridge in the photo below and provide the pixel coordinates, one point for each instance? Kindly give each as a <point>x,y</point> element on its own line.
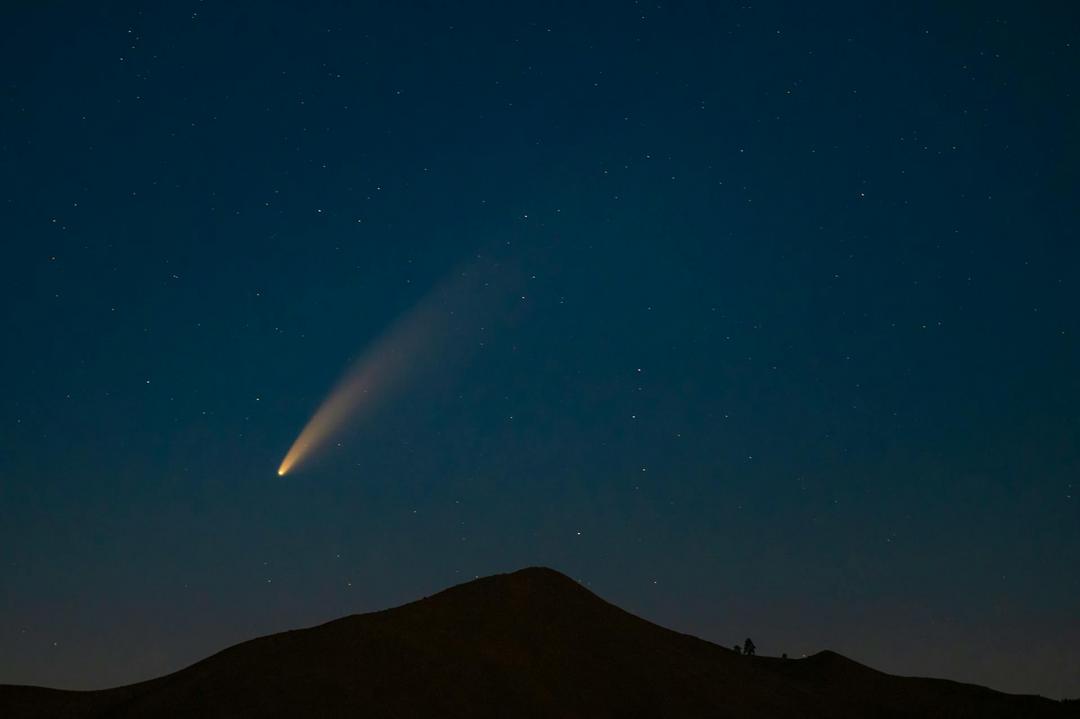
<point>529,643</point>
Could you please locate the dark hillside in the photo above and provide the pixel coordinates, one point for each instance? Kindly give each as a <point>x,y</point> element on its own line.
<point>533,643</point>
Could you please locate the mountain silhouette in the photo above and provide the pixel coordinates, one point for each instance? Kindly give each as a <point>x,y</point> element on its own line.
<point>533,643</point>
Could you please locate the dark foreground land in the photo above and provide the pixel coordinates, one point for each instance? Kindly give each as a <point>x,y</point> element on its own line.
<point>529,644</point>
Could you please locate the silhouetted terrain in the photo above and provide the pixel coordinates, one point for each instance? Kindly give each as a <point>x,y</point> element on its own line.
<point>529,644</point>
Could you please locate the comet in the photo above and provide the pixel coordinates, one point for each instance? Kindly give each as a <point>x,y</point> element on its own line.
<point>409,344</point>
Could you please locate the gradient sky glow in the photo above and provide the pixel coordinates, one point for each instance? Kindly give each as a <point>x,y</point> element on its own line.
<point>780,338</point>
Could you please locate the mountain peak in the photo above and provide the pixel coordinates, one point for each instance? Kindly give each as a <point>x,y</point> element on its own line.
<point>533,575</point>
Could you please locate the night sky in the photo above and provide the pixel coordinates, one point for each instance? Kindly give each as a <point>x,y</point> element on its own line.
<point>760,320</point>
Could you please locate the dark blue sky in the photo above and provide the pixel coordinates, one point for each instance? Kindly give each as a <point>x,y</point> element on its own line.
<point>779,332</point>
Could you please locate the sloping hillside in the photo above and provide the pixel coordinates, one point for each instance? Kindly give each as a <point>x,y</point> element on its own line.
<point>533,643</point>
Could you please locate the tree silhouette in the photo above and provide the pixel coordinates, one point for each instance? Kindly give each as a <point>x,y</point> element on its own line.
<point>738,649</point>
<point>748,647</point>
